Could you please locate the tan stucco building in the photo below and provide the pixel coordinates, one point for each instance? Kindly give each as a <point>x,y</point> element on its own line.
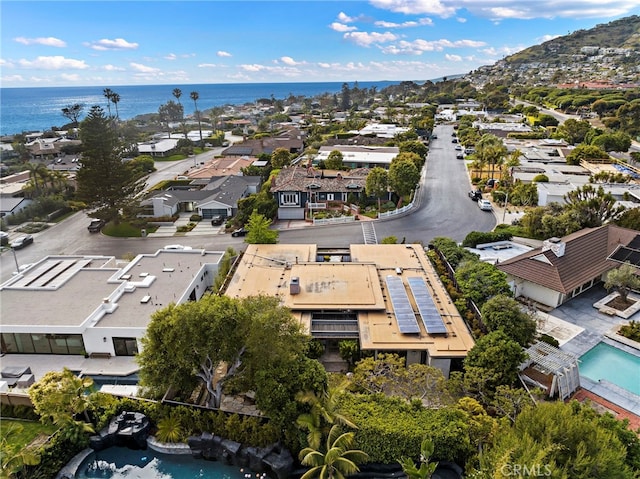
<point>388,297</point>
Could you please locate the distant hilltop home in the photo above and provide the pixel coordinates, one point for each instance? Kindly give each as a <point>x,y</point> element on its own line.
<point>562,268</point>
<point>299,189</point>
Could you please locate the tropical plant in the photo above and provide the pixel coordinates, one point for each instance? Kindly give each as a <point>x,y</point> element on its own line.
<point>323,413</point>
<point>13,458</point>
<point>170,429</point>
<point>195,96</point>
<point>336,461</point>
<point>426,469</point>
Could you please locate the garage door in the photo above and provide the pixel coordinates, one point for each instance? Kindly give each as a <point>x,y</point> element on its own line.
<point>208,214</point>
<point>291,213</point>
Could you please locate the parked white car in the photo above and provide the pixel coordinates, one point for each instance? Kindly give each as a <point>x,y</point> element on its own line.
<point>177,247</point>
<point>485,205</point>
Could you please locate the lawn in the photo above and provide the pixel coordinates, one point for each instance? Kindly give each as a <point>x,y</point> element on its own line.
<point>125,230</point>
<point>30,430</point>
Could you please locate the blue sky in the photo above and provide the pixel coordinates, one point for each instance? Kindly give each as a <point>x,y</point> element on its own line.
<point>96,43</point>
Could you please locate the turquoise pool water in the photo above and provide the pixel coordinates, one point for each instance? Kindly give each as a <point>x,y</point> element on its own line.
<point>120,463</point>
<point>613,365</point>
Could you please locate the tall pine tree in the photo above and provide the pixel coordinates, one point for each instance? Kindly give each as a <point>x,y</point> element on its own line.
<point>105,183</point>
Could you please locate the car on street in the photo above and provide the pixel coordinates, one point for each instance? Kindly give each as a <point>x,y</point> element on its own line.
<point>454,140</point>
<point>239,232</point>
<point>459,156</point>
<point>177,247</point>
<point>22,241</point>
<point>485,205</point>
<point>475,195</point>
<point>96,225</point>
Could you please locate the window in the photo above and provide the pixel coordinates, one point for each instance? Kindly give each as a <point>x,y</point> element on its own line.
<point>329,196</point>
<point>289,199</point>
<point>125,346</point>
<point>42,343</point>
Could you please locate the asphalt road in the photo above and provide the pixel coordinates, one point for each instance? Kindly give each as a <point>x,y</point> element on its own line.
<point>443,209</point>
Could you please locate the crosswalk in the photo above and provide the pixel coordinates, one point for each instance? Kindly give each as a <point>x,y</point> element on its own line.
<point>369,233</point>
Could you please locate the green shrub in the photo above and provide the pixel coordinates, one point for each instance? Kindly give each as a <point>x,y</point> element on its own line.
<point>480,237</point>
<point>631,330</point>
<point>541,178</point>
<point>195,218</point>
<point>170,429</point>
<point>545,338</point>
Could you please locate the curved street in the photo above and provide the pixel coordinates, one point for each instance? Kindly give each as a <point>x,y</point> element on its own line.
<point>442,209</point>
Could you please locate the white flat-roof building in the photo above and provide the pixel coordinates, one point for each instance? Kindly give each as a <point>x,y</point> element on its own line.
<point>360,156</point>
<point>94,305</point>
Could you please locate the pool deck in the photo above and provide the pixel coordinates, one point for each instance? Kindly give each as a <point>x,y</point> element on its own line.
<point>579,326</point>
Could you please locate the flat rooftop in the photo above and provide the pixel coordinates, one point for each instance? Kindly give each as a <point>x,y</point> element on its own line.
<point>65,292</point>
<point>358,286</point>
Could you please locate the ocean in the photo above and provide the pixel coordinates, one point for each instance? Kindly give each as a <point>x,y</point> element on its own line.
<point>37,109</point>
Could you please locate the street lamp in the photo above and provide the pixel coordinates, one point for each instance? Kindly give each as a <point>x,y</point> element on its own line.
<point>506,201</point>
<point>15,258</point>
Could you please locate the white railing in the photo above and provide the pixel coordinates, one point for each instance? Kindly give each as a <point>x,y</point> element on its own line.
<point>386,214</point>
<point>332,221</point>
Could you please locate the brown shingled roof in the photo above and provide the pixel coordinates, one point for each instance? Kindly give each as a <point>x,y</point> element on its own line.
<point>298,178</point>
<point>584,258</point>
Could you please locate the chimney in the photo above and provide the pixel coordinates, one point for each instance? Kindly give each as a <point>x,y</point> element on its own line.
<point>554,244</point>
<point>294,285</point>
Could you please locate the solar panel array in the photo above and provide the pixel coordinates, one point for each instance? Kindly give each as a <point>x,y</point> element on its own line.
<point>625,254</point>
<point>406,318</point>
<point>428,311</point>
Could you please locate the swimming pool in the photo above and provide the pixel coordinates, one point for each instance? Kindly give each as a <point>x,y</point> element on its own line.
<point>121,462</point>
<point>612,364</point>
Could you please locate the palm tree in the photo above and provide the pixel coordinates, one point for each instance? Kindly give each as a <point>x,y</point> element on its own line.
<point>115,98</point>
<point>337,461</point>
<point>177,93</point>
<point>14,459</point>
<point>194,95</point>
<point>108,94</point>
<point>323,414</point>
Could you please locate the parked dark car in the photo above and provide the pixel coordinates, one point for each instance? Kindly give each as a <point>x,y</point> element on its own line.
<point>454,140</point>
<point>22,241</point>
<point>96,225</point>
<point>460,156</point>
<point>217,220</point>
<point>475,195</point>
<point>239,232</point>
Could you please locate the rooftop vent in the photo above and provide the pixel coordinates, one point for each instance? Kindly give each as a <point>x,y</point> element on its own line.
<point>294,285</point>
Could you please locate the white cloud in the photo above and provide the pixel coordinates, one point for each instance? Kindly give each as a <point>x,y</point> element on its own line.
<point>461,20</point>
<point>417,7</point>
<point>222,53</point>
<point>546,38</point>
<point>11,79</point>
<point>500,9</point>
<point>453,58</point>
<point>290,61</point>
<point>48,41</point>
<point>72,77</point>
<point>419,46</point>
<point>117,44</point>
<point>143,68</point>
<point>409,24</point>
<point>54,63</point>
<point>341,27</point>
<point>344,18</point>
<point>366,39</point>
<point>113,68</point>
<point>170,56</point>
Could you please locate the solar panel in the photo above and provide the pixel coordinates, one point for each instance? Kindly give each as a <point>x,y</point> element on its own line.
<point>406,318</point>
<point>428,311</point>
<point>624,254</point>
